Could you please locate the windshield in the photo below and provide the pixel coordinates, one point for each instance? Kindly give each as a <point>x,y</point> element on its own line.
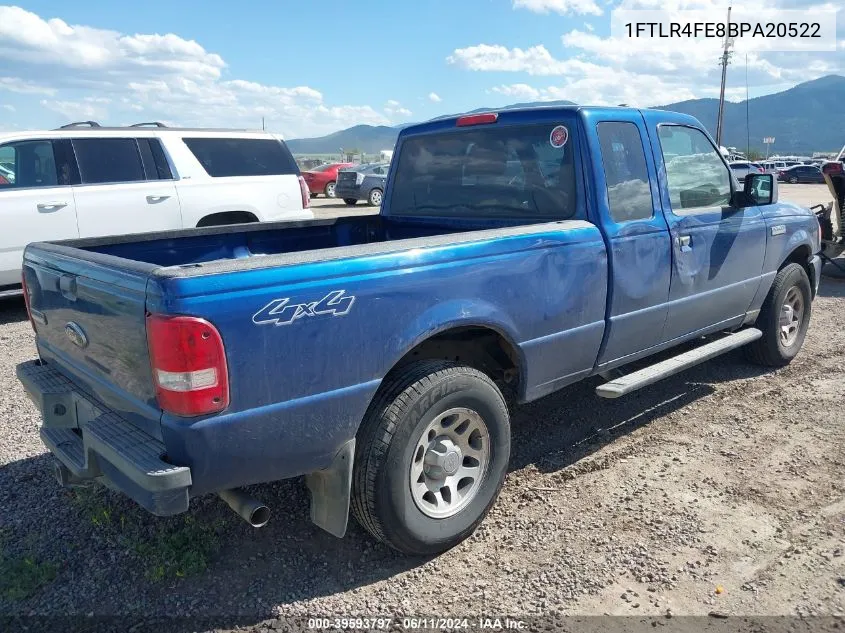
<point>320,168</point>
<point>518,170</point>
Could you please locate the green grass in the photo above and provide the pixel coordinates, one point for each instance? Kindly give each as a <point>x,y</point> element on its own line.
<point>166,548</point>
<point>21,577</point>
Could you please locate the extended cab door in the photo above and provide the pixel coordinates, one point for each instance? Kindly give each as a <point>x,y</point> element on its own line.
<point>639,247</point>
<point>717,249</point>
<point>124,188</point>
<point>36,199</point>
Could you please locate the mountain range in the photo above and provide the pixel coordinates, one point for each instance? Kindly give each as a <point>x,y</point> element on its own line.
<point>805,118</point>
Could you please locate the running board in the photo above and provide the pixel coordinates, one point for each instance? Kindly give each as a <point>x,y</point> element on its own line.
<point>671,366</point>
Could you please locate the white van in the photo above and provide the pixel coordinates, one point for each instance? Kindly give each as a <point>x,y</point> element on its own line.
<point>83,180</point>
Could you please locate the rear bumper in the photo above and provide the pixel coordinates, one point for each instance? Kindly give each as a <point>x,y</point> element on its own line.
<point>349,191</point>
<point>92,442</point>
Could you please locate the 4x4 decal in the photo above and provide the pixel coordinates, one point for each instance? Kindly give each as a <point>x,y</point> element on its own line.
<point>283,312</point>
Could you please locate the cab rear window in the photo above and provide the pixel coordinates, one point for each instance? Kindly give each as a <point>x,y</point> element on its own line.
<point>223,157</point>
<point>514,171</point>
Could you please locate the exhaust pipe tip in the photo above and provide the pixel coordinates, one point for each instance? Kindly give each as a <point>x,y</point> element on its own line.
<point>247,507</point>
<point>259,517</point>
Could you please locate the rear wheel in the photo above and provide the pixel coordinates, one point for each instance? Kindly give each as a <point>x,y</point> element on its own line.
<point>431,456</point>
<point>350,201</point>
<point>374,198</point>
<point>784,318</point>
<point>330,190</point>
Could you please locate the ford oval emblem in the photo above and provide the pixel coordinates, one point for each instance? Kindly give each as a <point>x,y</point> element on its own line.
<point>76,335</point>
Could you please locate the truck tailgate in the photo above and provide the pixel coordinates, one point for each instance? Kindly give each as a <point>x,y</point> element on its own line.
<point>90,320</point>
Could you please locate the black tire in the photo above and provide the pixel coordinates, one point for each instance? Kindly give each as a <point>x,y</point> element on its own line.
<point>375,197</point>
<point>793,181</point>
<point>770,350</point>
<point>350,201</point>
<point>404,406</point>
<point>330,189</point>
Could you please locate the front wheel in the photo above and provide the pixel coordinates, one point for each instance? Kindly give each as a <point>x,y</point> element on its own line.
<point>350,201</point>
<point>431,456</point>
<point>793,181</point>
<point>374,198</point>
<point>784,318</point>
<point>330,190</point>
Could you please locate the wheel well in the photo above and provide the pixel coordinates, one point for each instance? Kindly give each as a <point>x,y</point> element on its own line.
<point>801,256</point>
<point>227,217</point>
<point>480,347</point>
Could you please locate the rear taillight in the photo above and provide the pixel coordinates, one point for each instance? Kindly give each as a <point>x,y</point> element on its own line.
<point>306,194</point>
<point>26,300</point>
<point>189,365</point>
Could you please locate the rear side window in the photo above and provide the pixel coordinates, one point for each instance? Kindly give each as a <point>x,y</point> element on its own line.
<point>221,157</point>
<point>514,171</point>
<point>108,160</point>
<point>155,163</point>
<point>623,158</point>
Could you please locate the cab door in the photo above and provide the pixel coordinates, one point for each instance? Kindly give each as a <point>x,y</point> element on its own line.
<point>36,199</point>
<point>124,188</point>
<point>717,248</point>
<point>639,247</point>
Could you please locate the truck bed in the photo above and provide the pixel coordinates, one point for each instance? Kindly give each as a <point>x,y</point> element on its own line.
<point>247,246</point>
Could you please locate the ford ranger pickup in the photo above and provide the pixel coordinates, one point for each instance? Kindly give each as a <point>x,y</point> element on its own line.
<point>515,253</point>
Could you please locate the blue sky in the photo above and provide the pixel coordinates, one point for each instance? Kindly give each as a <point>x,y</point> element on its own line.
<point>314,67</point>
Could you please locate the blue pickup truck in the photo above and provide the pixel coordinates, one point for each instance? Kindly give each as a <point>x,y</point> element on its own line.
<point>516,252</point>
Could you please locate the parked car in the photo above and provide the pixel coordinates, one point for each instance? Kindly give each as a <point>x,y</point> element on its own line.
<point>84,180</point>
<point>322,179</point>
<point>363,182</point>
<point>372,354</point>
<point>801,173</point>
<point>741,168</point>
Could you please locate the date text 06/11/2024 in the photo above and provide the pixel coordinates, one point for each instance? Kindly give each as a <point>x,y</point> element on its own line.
<point>419,623</point>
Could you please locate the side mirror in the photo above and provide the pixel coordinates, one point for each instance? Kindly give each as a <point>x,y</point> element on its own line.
<point>760,189</point>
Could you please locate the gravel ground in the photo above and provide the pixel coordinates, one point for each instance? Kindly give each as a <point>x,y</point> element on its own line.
<point>721,490</point>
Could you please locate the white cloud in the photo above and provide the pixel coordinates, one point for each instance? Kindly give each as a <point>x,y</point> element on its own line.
<point>86,109</point>
<point>8,107</point>
<point>86,72</point>
<point>394,109</point>
<point>535,60</point>
<point>518,91</point>
<point>16,84</point>
<point>563,7</point>
<point>434,97</point>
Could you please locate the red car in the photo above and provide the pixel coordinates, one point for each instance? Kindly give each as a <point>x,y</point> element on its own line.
<point>322,179</point>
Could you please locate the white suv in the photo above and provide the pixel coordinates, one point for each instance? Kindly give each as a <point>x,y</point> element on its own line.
<point>84,180</point>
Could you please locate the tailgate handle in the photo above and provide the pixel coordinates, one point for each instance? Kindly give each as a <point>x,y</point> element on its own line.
<point>67,286</point>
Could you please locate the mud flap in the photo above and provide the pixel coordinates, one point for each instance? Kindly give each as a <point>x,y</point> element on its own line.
<point>330,490</point>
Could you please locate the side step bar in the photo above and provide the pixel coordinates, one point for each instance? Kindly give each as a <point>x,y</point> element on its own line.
<point>671,366</point>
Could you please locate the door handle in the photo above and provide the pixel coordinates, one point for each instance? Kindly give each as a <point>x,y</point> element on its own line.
<point>50,206</point>
<point>685,242</point>
<point>155,199</point>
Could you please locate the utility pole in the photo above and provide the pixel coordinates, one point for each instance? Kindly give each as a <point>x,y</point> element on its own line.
<point>726,55</point>
<point>747,117</point>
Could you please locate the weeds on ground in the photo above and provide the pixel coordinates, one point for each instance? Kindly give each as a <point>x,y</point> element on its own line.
<point>21,576</point>
<point>167,548</point>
